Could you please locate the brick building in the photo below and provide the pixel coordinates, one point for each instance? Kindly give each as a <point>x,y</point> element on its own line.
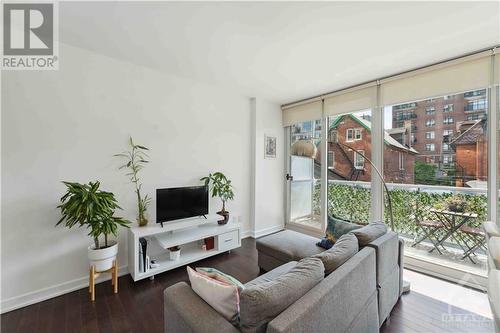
<point>431,124</point>
<point>471,148</point>
<point>355,132</point>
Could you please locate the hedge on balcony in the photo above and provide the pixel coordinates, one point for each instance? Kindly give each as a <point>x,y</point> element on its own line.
<point>352,202</point>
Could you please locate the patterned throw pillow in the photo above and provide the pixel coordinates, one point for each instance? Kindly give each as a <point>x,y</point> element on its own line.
<point>222,296</point>
<point>219,276</point>
<point>334,230</point>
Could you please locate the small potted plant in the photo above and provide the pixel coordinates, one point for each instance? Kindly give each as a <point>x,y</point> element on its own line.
<point>222,188</point>
<point>136,159</point>
<point>456,204</point>
<point>84,205</point>
<point>174,252</point>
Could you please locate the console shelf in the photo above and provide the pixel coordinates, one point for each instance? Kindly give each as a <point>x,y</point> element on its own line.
<point>186,234</point>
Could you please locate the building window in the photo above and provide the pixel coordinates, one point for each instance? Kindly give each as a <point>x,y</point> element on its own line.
<point>401,161</point>
<point>448,108</point>
<point>430,122</point>
<point>448,132</point>
<point>430,159</point>
<point>430,110</point>
<point>446,146</point>
<point>476,105</point>
<point>476,116</point>
<point>447,159</point>
<point>430,147</point>
<point>430,135</point>
<point>359,160</point>
<point>413,138</point>
<point>353,134</point>
<point>448,120</point>
<point>331,159</point>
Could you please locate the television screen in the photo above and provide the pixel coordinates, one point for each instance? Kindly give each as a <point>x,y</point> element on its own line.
<point>181,202</point>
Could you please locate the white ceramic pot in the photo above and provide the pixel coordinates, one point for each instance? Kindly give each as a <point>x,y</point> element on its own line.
<point>102,259</point>
<point>175,255</point>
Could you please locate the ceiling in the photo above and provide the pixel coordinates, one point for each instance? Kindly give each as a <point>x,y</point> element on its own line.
<point>280,51</point>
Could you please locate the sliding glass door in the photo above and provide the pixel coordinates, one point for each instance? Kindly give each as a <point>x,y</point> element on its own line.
<point>304,174</point>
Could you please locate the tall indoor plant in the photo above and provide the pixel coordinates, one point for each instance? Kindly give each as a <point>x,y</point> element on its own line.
<point>136,160</point>
<point>222,188</point>
<point>85,205</point>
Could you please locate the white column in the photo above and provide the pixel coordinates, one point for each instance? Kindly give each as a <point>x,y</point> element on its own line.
<point>377,191</point>
<point>324,164</point>
<point>493,145</point>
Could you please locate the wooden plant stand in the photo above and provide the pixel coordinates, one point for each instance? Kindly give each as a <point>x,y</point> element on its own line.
<point>93,275</point>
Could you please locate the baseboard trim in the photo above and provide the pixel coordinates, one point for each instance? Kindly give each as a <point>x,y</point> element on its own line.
<point>267,231</point>
<point>41,295</point>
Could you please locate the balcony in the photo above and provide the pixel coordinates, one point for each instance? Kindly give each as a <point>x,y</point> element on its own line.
<point>475,107</point>
<point>405,106</point>
<point>412,206</point>
<point>475,94</point>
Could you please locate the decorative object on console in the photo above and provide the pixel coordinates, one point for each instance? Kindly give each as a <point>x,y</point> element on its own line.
<point>209,243</point>
<point>136,159</point>
<point>174,253</point>
<point>222,188</point>
<point>269,146</point>
<point>86,205</point>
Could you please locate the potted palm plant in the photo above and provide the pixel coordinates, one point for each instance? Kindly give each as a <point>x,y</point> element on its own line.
<point>136,159</point>
<point>222,188</point>
<point>85,205</point>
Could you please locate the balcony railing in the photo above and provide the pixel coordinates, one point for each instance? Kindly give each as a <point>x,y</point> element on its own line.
<point>352,200</point>
<point>475,93</point>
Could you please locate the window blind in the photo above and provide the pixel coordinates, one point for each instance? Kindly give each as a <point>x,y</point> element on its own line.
<point>439,80</point>
<point>356,100</point>
<point>301,112</point>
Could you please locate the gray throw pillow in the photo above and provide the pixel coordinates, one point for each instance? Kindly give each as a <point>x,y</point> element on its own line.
<point>261,302</point>
<point>369,233</point>
<point>345,247</point>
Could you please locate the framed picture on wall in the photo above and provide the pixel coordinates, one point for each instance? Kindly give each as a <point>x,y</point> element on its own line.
<point>269,146</point>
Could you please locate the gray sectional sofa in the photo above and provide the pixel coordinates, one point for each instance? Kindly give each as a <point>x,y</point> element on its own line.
<point>356,297</point>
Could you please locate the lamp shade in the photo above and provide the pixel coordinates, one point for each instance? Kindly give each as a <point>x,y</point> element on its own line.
<point>304,148</point>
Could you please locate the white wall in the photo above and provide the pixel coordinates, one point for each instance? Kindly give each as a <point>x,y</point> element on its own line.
<point>267,195</point>
<point>67,124</point>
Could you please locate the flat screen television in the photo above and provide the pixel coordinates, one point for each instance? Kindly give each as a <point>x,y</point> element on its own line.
<point>180,203</point>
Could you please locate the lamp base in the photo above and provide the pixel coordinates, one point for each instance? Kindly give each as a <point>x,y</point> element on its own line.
<point>406,287</point>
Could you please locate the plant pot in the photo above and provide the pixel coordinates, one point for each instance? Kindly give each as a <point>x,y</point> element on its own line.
<point>102,259</point>
<point>226,217</point>
<point>175,255</point>
<point>456,208</point>
<point>142,220</point>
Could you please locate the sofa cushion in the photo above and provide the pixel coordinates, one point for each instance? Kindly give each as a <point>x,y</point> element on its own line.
<point>370,232</point>
<point>220,276</point>
<point>341,251</point>
<point>288,245</point>
<point>273,274</point>
<point>261,300</point>
<point>335,229</point>
<point>494,249</point>
<point>491,229</point>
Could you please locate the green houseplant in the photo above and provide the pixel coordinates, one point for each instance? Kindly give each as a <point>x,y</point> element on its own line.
<point>85,205</point>
<point>136,159</point>
<point>222,188</point>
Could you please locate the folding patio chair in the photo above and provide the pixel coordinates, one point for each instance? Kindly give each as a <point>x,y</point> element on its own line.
<point>426,229</point>
<point>475,240</point>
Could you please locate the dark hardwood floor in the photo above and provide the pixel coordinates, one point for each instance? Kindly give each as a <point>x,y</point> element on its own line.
<point>138,307</point>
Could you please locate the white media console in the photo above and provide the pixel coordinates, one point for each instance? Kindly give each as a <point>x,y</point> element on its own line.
<point>188,234</point>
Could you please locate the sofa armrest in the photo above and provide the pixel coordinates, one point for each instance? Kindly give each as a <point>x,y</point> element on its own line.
<point>345,301</point>
<point>185,311</point>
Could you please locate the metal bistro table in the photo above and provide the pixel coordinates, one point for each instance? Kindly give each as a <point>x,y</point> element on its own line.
<point>452,222</point>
